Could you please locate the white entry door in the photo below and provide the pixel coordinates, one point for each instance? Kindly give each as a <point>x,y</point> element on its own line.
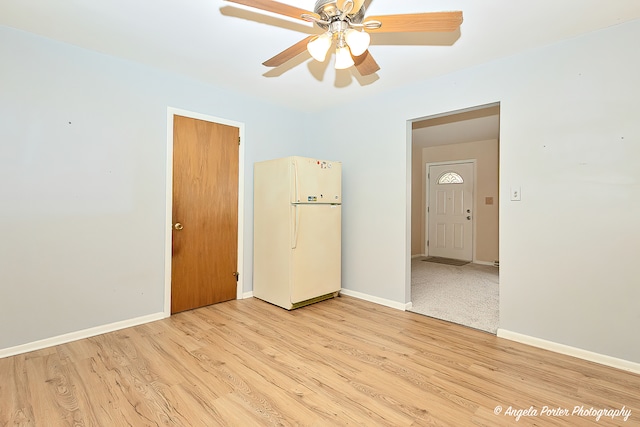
<point>450,211</point>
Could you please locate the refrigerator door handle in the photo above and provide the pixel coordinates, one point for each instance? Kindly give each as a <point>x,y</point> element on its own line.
<point>294,223</point>
<point>297,185</point>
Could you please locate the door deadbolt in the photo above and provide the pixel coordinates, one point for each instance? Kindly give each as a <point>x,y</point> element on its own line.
<point>178,226</point>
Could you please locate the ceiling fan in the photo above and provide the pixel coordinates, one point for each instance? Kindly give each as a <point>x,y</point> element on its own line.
<point>344,23</point>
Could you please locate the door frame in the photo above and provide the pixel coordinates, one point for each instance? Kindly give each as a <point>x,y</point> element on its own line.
<point>169,199</point>
<point>473,202</point>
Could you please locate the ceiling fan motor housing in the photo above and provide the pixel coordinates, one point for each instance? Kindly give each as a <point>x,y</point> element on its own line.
<point>328,11</point>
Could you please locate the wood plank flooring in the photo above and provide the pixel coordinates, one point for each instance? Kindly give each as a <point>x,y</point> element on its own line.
<point>338,362</point>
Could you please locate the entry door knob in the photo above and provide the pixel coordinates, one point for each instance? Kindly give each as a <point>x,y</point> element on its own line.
<point>178,226</point>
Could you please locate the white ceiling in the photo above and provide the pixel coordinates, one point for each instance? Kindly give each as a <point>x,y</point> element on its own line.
<point>468,130</point>
<point>224,44</point>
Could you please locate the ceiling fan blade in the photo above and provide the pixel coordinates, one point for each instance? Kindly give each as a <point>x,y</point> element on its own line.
<point>275,7</point>
<point>418,22</point>
<point>365,64</point>
<point>357,4</point>
<point>288,54</point>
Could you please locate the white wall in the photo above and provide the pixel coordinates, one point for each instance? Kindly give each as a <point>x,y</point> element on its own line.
<point>82,218</point>
<point>82,182</point>
<point>570,137</point>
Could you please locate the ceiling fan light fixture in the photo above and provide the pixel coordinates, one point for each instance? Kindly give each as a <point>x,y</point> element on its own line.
<point>358,41</point>
<point>319,46</point>
<point>343,58</point>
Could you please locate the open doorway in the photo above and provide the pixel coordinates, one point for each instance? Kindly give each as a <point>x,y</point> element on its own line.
<point>454,218</point>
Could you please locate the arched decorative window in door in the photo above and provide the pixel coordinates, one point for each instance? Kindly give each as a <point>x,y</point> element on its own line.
<point>450,178</point>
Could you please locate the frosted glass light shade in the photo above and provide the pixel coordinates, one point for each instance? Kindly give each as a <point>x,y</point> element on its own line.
<point>319,46</point>
<point>358,41</point>
<point>343,58</point>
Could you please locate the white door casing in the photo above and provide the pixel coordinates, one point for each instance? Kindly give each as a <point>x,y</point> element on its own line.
<point>450,210</point>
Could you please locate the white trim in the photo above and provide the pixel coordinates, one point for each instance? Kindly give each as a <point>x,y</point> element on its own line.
<point>492,264</point>
<point>78,335</point>
<point>417,256</point>
<point>247,295</point>
<point>169,198</point>
<point>377,300</point>
<point>168,213</point>
<point>240,261</point>
<point>602,359</point>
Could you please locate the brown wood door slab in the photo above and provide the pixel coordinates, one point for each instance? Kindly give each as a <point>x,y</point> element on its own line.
<point>205,213</point>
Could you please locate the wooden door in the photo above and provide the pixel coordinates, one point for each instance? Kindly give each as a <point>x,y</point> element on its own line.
<point>205,213</point>
<point>450,211</point>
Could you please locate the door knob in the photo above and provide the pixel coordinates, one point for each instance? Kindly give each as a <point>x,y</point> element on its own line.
<point>178,226</point>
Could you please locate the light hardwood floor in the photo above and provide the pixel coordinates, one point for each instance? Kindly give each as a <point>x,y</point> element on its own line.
<point>338,362</point>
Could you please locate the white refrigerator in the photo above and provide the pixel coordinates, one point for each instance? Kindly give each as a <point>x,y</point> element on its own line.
<point>297,231</point>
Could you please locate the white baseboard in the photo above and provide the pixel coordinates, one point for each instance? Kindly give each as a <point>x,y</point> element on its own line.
<point>247,295</point>
<point>602,359</point>
<point>484,263</point>
<point>474,261</point>
<point>377,300</point>
<point>85,333</point>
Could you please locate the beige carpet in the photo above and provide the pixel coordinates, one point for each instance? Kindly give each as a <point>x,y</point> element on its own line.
<point>467,295</point>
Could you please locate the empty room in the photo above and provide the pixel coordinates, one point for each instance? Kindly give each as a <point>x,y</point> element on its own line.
<point>137,286</point>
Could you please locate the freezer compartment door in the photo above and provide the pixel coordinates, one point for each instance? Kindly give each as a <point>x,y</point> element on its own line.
<point>316,251</point>
<point>315,181</point>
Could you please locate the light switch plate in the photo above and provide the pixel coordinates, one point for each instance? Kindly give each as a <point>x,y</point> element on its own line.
<point>515,194</point>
